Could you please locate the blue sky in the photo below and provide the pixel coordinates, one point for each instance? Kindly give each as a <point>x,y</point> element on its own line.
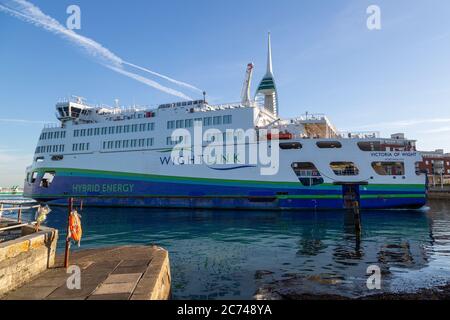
<point>396,79</point>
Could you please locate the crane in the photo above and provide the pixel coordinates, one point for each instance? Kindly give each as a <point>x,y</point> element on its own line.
<point>245,94</point>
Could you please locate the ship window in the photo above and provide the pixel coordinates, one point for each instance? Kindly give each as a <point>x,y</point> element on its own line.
<point>290,145</point>
<point>47,179</point>
<point>188,123</point>
<point>307,173</point>
<point>207,121</point>
<point>227,119</point>
<point>89,132</point>
<point>369,145</point>
<point>57,158</point>
<point>389,168</point>
<point>39,159</point>
<point>34,177</point>
<point>76,133</point>
<point>217,120</point>
<point>134,128</point>
<point>344,168</point>
<point>142,127</point>
<point>179,124</point>
<point>170,124</point>
<point>329,144</point>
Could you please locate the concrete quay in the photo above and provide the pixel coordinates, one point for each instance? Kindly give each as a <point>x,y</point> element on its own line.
<point>118,273</point>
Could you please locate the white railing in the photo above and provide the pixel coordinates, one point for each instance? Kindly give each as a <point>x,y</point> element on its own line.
<point>359,134</point>
<point>52,125</point>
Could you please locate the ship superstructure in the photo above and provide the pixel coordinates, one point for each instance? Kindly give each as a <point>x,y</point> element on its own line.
<point>125,157</point>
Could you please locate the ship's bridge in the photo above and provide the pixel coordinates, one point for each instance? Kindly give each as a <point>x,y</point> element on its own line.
<point>74,110</point>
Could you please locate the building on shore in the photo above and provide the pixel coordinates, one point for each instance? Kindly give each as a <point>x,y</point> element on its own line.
<point>437,166</point>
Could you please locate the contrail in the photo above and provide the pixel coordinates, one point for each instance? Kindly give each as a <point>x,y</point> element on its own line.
<point>28,12</point>
<point>24,121</point>
<point>149,82</point>
<point>180,83</point>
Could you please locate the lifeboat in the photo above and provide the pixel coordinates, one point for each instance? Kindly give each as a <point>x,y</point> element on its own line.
<point>280,136</point>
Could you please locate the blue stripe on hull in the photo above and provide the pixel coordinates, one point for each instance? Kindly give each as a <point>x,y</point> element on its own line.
<point>188,195</point>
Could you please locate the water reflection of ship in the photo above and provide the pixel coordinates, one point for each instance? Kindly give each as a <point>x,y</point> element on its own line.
<point>388,240</point>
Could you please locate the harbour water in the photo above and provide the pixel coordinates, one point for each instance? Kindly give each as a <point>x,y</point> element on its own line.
<point>232,254</point>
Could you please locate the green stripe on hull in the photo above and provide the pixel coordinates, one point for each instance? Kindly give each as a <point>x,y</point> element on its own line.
<point>228,182</point>
<point>392,196</point>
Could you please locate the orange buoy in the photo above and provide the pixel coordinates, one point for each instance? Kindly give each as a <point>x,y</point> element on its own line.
<point>75,230</point>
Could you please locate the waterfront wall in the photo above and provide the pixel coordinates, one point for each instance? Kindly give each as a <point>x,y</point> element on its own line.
<point>24,258</point>
<point>156,281</point>
<point>439,195</point>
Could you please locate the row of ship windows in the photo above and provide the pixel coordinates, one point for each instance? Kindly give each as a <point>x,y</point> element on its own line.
<point>210,137</point>
<point>118,144</point>
<point>81,146</point>
<point>207,121</point>
<point>125,144</point>
<point>52,135</point>
<point>52,148</point>
<point>114,129</point>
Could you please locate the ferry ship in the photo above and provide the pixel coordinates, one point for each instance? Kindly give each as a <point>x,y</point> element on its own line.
<point>113,156</point>
<point>14,190</point>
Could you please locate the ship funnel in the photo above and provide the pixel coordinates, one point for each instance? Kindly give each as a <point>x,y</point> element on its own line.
<point>266,95</point>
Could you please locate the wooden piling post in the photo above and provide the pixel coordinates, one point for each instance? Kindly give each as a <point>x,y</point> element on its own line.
<point>67,251</point>
<point>357,218</point>
<point>19,214</point>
